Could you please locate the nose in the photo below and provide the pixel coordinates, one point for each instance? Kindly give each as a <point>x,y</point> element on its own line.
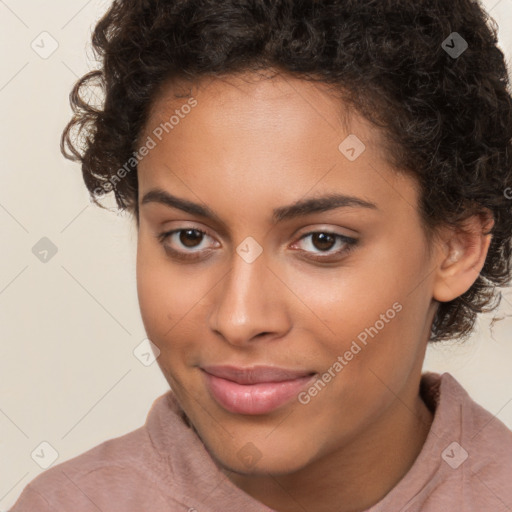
<point>250,303</point>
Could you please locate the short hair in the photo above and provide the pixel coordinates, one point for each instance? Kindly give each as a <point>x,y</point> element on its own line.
<point>444,109</point>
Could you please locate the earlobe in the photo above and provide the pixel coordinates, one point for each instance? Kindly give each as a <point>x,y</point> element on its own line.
<point>462,257</point>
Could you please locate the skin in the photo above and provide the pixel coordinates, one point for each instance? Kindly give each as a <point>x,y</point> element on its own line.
<point>247,147</point>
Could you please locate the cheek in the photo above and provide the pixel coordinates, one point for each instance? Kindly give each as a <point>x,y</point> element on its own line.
<point>343,301</point>
<point>160,291</point>
<point>169,295</point>
<point>374,301</point>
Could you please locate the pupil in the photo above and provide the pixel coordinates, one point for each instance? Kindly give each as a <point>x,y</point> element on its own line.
<point>320,239</point>
<point>186,236</point>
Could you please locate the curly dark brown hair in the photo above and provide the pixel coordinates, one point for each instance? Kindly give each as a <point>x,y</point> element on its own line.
<point>446,117</point>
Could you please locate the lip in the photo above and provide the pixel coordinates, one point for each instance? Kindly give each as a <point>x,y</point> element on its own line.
<point>254,390</point>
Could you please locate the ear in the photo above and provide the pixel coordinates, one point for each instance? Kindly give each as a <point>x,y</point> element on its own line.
<point>462,255</point>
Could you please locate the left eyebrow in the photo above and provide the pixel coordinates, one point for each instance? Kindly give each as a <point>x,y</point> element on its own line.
<point>320,204</point>
<point>300,208</point>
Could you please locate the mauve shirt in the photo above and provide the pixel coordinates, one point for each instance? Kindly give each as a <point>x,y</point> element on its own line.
<point>465,465</point>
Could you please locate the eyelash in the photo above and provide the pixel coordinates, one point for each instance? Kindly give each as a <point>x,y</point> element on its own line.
<point>349,244</point>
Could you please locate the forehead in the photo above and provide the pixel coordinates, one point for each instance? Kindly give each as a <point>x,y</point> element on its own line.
<point>278,137</point>
<point>262,97</point>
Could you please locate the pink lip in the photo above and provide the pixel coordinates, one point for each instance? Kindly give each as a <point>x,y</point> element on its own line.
<point>256,390</point>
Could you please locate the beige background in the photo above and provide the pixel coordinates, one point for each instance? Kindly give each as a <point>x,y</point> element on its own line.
<point>69,326</point>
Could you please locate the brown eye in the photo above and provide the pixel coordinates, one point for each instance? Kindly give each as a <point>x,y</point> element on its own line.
<point>187,244</point>
<point>332,244</point>
<point>190,237</point>
<point>323,241</point>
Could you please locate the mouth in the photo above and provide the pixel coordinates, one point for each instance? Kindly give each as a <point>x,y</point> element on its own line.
<point>255,390</point>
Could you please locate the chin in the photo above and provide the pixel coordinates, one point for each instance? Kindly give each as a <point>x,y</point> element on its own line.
<point>249,458</point>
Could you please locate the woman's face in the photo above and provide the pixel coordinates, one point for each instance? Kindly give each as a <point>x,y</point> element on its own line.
<point>339,293</point>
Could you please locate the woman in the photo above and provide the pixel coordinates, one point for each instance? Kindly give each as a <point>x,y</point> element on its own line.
<point>320,190</point>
